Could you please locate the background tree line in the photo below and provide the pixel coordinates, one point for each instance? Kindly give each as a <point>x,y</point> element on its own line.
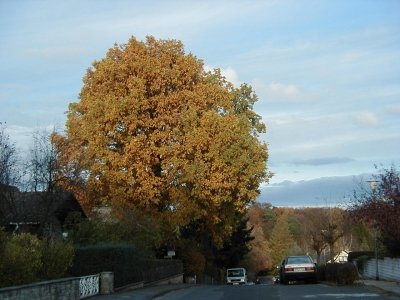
<point>324,232</point>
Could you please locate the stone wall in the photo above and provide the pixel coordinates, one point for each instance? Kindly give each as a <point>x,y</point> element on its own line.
<point>68,288</point>
<point>62,289</point>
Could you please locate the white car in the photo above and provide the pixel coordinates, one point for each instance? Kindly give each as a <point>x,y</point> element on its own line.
<point>295,268</point>
<point>236,276</point>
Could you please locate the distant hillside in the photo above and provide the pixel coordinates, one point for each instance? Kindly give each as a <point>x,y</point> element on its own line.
<point>325,191</point>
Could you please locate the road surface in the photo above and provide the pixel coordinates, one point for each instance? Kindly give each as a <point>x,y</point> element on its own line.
<point>275,292</point>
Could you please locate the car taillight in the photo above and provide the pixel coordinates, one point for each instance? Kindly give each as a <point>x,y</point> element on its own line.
<point>289,269</point>
<point>310,269</point>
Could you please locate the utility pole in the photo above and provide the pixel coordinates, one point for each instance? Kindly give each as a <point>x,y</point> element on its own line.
<point>373,185</point>
<point>376,257</point>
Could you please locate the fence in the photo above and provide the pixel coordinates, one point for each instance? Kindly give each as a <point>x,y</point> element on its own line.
<point>89,286</point>
<point>388,269</point>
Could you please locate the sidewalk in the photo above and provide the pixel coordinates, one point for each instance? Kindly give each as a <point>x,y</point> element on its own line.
<point>145,293</point>
<point>383,285</point>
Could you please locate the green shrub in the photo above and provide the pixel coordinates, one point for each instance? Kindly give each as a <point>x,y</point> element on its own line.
<point>57,258</point>
<point>21,260</point>
<point>25,259</point>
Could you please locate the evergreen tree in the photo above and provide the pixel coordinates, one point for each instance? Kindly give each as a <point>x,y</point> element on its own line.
<point>281,240</point>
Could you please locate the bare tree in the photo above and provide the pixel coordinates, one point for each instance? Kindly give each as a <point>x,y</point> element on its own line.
<point>313,224</point>
<point>41,167</point>
<point>10,176</point>
<point>379,207</point>
<point>324,228</point>
<point>42,163</point>
<point>335,229</point>
<point>9,159</point>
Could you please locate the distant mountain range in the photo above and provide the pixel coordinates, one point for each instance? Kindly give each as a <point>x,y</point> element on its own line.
<point>325,191</point>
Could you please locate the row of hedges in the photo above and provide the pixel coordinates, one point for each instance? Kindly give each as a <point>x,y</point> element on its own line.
<point>124,261</point>
<point>343,274</point>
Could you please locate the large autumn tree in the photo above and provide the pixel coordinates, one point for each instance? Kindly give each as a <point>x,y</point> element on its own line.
<point>154,131</point>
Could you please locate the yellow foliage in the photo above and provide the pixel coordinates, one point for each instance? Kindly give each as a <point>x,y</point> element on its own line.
<point>152,130</point>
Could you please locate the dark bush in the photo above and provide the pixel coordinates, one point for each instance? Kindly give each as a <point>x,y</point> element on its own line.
<point>355,254</point>
<point>121,259</point>
<point>321,270</point>
<point>361,262</point>
<point>124,261</point>
<point>331,272</point>
<point>345,274</point>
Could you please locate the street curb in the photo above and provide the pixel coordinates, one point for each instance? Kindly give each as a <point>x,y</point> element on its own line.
<point>382,291</point>
<point>376,288</point>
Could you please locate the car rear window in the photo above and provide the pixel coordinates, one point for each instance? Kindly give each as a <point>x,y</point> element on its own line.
<point>235,272</point>
<point>299,260</point>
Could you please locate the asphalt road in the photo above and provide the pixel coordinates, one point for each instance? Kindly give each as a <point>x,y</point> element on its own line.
<point>275,292</point>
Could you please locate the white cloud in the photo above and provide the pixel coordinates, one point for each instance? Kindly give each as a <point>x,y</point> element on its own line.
<point>287,91</point>
<point>278,92</point>
<point>229,73</point>
<point>367,119</point>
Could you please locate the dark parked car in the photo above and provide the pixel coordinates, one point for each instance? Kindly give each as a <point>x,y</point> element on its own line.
<point>295,268</point>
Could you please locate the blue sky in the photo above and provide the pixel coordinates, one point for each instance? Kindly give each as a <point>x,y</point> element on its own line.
<point>327,73</point>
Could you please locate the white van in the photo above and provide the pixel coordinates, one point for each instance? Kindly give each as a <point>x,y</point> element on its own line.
<point>236,276</point>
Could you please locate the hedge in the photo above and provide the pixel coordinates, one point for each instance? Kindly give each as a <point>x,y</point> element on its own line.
<point>355,254</point>
<point>124,261</point>
<point>344,274</point>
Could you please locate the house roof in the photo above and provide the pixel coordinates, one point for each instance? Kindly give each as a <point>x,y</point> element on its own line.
<point>37,207</point>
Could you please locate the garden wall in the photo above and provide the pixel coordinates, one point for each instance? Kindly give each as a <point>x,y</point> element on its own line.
<point>61,289</point>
